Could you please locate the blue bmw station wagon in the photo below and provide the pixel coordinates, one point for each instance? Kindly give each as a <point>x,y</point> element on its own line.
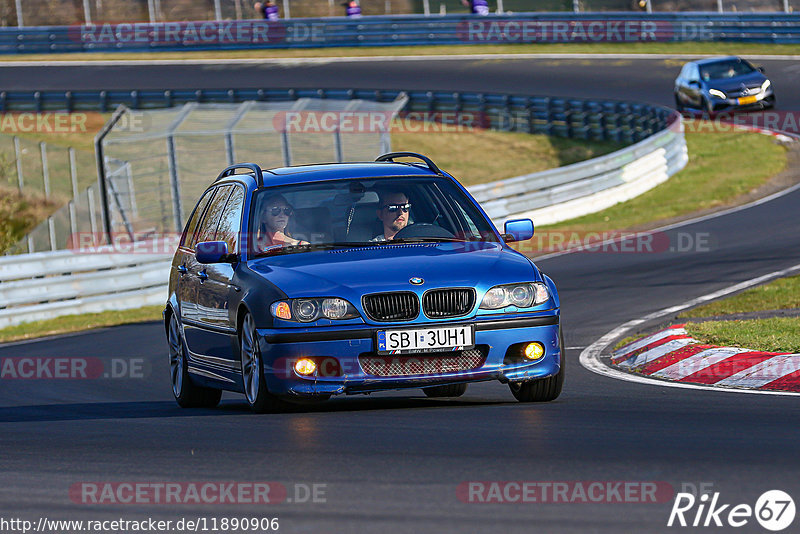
<point>299,283</point>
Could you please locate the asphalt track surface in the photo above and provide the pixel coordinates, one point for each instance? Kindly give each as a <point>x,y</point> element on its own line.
<point>392,462</point>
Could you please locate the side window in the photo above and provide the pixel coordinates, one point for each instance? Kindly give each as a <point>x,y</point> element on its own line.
<point>208,227</point>
<point>231,219</point>
<point>191,226</point>
<point>694,75</point>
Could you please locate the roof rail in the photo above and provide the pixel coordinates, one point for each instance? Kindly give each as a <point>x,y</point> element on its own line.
<point>391,155</point>
<point>230,171</point>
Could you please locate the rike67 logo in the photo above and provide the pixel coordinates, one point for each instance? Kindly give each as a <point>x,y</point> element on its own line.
<point>774,510</point>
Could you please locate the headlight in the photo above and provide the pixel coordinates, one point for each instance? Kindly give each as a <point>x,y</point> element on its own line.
<point>717,93</point>
<point>765,85</point>
<point>310,310</point>
<point>519,295</point>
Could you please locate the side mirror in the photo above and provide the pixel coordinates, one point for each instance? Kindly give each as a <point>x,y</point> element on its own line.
<point>761,70</point>
<point>518,230</point>
<point>212,252</point>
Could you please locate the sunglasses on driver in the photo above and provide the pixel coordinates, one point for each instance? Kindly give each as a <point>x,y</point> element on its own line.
<point>275,211</point>
<point>395,208</point>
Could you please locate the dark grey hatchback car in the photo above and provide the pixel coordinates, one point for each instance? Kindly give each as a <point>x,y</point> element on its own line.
<point>719,84</point>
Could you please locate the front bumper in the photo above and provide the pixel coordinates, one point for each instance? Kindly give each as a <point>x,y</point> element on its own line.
<point>342,347</point>
<point>756,101</point>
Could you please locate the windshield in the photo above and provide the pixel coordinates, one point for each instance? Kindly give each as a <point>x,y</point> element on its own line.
<point>363,212</point>
<point>725,69</point>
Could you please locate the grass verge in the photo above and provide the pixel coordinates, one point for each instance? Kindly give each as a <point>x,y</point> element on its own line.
<point>715,48</point>
<point>778,334</point>
<point>780,294</point>
<point>722,166</point>
<point>19,214</point>
<point>512,154</point>
<point>76,323</point>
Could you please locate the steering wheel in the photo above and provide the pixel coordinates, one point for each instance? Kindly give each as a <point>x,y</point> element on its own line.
<point>422,230</point>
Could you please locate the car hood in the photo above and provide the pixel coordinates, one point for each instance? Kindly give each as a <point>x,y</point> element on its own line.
<point>729,85</point>
<point>354,272</point>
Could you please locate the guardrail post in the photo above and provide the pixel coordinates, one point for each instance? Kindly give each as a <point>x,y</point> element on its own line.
<point>73,222</point>
<point>45,170</point>
<point>18,158</point>
<point>73,172</point>
<point>286,14</point>
<point>174,184</point>
<point>151,11</point>
<point>92,214</point>
<point>51,229</point>
<point>20,22</point>
<point>87,13</point>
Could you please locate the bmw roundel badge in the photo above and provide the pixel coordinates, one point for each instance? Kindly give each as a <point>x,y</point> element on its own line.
<point>417,281</point>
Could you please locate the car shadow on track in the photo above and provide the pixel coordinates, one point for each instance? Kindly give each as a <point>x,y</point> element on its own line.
<point>164,409</point>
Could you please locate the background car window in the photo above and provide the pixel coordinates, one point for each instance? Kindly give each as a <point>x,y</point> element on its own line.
<point>230,221</point>
<point>191,226</point>
<point>208,227</point>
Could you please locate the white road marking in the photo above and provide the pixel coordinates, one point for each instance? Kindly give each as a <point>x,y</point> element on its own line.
<point>764,372</point>
<point>590,357</point>
<point>636,345</point>
<point>697,362</point>
<point>358,59</point>
<point>661,350</point>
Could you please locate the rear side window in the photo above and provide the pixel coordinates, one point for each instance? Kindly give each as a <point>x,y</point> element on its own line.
<point>208,227</point>
<point>191,226</point>
<point>230,221</point>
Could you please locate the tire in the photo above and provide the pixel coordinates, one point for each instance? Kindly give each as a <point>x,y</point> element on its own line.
<point>678,104</point>
<point>708,107</point>
<point>542,389</point>
<point>448,390</point>
<point>255,386</point>
<point>187,393</point>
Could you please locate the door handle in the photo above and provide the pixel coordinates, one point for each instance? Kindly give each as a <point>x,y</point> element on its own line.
<point>202,275</point>
<point>182,269</point>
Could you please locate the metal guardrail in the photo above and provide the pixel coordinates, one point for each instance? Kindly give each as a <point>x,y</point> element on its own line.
<point>406,30</point>
<point>49,284</point>
<point>564,117</point>
<point>43,285</point>
<point>567,192</point>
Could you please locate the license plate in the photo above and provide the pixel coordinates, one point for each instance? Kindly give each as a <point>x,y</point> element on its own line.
<point>747,100</point>
<point>432,339</point>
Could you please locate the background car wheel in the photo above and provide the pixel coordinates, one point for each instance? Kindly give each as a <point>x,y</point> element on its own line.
<point>542,389</point>
<point>708,107</point>
<point>187,393</point>
<point>255,387</point>
<point>448,390</point>
<point>678,104</point>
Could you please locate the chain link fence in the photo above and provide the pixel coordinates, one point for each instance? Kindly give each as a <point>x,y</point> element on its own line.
<point>156,163</point>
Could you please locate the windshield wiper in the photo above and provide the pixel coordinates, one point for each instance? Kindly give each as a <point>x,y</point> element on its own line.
<point>427,240</point>
<point>291,249</point>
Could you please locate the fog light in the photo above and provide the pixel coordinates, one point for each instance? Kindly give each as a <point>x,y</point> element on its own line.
<point>533,351</point>
<point>305,366</point>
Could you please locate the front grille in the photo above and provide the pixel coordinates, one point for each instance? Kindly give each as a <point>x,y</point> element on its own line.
<point>456,302</point>
<point>400,306</point>
<point>433,363</point>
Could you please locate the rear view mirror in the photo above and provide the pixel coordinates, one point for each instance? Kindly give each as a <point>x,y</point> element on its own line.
<point>518,230</point>
<point>212,252</point>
